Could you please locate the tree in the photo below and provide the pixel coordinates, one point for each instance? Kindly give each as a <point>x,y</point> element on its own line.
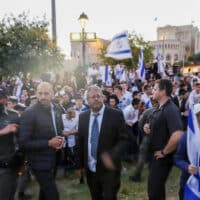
<point>136,42</point>
<point>26,47</point>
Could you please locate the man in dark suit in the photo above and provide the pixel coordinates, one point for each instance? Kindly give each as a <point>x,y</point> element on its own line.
<point>102,142</point>
<point>40,130</point>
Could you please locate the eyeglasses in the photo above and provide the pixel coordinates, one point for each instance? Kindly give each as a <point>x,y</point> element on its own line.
<point>95,97</point>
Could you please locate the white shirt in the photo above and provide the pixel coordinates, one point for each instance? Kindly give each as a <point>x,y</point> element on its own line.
<point>91,161</point>
<point>194,98</point>
<point>19,85</point>
<point>146,99</point>
<point>70,125</point>
<point>130,114</point>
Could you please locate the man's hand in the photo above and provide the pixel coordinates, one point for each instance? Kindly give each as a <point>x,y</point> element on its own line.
<point>192,169</point>
<point>107,161</point>
<point>186,113</point>
<point>79,172</point>
<point>147,129</point>
<point>159,154</point>
<point>130,123</point>
<point>56,142</point>
<point>10,128</point>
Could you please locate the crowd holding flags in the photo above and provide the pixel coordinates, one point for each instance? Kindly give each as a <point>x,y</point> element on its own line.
<point>119,49</point>
<point>192,188</point>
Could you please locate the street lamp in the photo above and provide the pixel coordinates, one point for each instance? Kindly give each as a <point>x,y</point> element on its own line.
<point>83,18</point>
<point>53,13</point>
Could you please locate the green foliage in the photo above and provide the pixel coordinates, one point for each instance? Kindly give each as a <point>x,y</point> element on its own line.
<point>136,42</point>
<point>195,59</point>
<point>26,47</point>
<point>80,74</point>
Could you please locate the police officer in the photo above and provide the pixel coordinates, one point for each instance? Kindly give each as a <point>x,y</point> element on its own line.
<point>166,131</point>
<point>8,129</point>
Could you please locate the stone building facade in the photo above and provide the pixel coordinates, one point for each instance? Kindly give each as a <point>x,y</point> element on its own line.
<point>176,43</point>
<point>93,48</point>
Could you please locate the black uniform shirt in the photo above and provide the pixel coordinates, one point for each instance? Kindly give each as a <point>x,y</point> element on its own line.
<point>7,142</point>
<point>165,121</point>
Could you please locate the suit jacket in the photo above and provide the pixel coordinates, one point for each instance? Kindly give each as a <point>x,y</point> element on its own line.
<point>36,128</point>
<point>175,100</point>
<point>113,138</point>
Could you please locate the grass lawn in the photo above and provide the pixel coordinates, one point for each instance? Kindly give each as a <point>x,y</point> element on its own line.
<point>70,189</point>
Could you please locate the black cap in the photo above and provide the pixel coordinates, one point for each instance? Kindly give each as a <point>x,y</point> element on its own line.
<point>20,106</point>
<point>13,98</point>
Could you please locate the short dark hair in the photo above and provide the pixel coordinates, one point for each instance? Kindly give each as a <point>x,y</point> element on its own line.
<point>113,96</point>
<point>135,93</point>
<point>146,87</point>
<point>182,92</point>
<point>119,87</point>
<point>135,101</point>
<point>166,85</point>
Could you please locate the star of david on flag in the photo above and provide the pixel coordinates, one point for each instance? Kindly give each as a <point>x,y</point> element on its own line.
<point>119,47</point>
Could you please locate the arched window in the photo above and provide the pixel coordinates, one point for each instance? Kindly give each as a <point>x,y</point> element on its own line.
<point>176,57</point>
<point>168,57</point>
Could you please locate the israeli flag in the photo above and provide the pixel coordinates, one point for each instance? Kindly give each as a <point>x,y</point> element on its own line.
<point>148,104</point>
<point>161,64</point>
<point>124,77</point>
<point>107,79</point>
<point>119,47</point>
<point>192,188</point>
<point>141,66</point>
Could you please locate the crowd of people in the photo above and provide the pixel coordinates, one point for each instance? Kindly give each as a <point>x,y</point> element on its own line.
<point>115,116</point>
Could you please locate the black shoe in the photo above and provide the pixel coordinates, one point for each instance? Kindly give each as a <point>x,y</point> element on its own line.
<point>24,196</point>
<point>135,178</point>
<point>82,180</point>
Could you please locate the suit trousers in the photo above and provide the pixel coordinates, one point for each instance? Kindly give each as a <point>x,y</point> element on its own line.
<point>104,185</point>
<point>158,174</point>
<point>8,183</point>
<point>46,180</point>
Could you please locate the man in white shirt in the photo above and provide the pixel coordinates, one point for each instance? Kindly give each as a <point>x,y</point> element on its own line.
<point>147,92</point>
<point>194,96</point>
<point>131,115</point>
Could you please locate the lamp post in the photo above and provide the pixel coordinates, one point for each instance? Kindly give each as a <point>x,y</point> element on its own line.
<point>83,18</point>
<point>53,13</point>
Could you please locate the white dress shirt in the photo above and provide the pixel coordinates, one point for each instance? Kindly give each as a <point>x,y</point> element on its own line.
<point>130,114</point>
<point>70,125</point>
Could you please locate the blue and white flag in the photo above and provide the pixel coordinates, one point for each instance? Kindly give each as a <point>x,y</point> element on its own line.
<point>148,104</point>
<point>141,72</point>
<point>107,79</point>
<point>119,47</point>
<point>192,188</point>
<point>124,77</point>
<point>161,64</point>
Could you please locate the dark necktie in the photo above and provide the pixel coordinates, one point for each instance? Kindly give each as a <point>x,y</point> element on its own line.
<point>94,136</point>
